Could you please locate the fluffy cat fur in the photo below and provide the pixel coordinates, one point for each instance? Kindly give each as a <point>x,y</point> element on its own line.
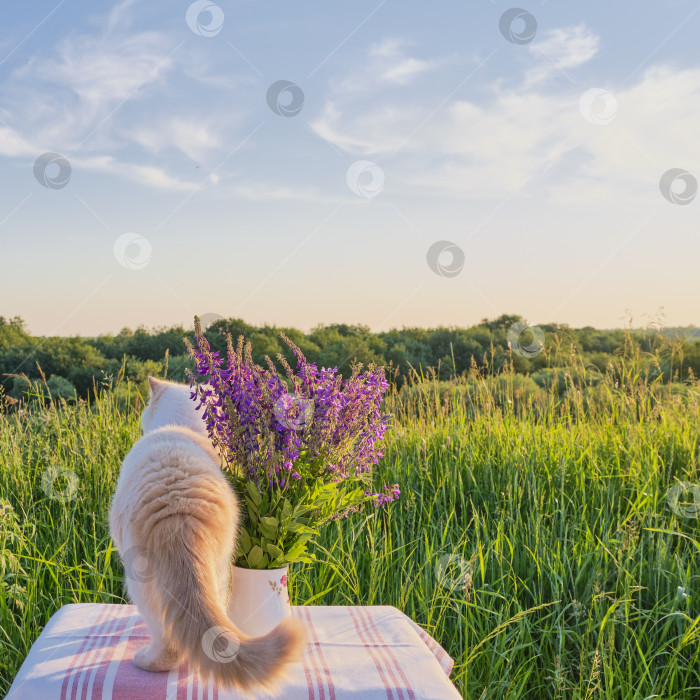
<point>175,513</point>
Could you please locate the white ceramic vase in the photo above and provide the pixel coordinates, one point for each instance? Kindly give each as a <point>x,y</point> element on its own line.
<point>259,599</point>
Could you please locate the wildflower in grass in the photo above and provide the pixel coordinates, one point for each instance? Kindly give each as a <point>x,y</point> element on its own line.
<point>390,494</point>
<point>300,445</point>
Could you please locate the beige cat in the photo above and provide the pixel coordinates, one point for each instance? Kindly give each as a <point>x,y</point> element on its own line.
<point>174,521</point>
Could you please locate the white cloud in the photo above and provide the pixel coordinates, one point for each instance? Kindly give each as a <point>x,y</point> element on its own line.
<point>192,136</point>
<point>387,65</point>
<point>118,15</point>
<point>561,50</point>
<point>64,96</point>
<point>102,74</point>
<point>144,174</point>
<point>70,101</point>
<point>89,98</point>
<point>393,66</point>
<point>526,137</point>
<point>11,144</point>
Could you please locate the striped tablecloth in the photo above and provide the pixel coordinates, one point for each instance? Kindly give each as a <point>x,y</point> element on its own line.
<point>86,650</point>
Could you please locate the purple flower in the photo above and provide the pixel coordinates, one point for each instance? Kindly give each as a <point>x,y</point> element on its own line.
<point>391,493</point>
<point>290,431</point>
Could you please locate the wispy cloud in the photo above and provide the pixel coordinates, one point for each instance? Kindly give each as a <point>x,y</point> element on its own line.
<point>387,64</point>
<point>394,66</point>
<point>112,99</point>
<point>528,132</point>
<point>563,49</point>
<point>193,136</point>
<point>61,97</point>
<point>149,175</point>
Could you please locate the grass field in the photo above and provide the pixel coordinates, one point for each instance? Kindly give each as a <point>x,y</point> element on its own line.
<point>534,538</point>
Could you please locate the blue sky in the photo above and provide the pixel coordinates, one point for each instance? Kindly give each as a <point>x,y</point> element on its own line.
<point>540,159</point>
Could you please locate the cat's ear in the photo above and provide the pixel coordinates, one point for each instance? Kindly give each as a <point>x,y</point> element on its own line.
<point>154,384</point>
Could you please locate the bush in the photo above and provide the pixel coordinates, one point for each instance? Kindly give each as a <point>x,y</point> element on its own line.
<point>61,388</point>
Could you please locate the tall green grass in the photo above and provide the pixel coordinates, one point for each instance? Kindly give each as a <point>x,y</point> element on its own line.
<point>533,538</point>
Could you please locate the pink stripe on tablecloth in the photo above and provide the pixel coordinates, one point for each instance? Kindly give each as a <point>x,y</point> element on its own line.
<point>69,671</point>
<point>110,643</point>
<point>76,687</point>
<point>182,673</point>
<point>133,682</point>
<point>188,682</point>
<point>387,648</point>
<point>319,650</point>
<point>435,648</point>
<point>297,612</point>
<point>317,672</point>
<point>370,650</point>
<point>367,623</point>
<point>90,664</point>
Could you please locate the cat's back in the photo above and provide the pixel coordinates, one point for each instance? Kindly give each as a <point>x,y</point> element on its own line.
<point>174,444</point>
<point>171,470</point>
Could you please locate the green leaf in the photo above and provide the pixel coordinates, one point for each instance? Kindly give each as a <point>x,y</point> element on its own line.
<point>252,514</point>
<point>255,557</point>
<point>300,510</point>
<point>244,542</point>
<point>268,526</point>
<point>296,550</point>
<point>253,492</point>
<point>270,533</point>
<point>287,510</point>
<point>274,550</point>
<point>300,528</point>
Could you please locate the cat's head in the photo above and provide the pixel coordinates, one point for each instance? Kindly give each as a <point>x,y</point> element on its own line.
<point>170,404</point>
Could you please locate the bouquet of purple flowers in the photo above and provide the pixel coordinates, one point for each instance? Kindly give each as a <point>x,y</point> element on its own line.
<point>299,447</point>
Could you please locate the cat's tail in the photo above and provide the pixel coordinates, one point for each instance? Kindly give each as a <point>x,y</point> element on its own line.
<point>197,625</point>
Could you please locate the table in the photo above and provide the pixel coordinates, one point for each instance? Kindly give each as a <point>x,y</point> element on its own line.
<point>371,652</point>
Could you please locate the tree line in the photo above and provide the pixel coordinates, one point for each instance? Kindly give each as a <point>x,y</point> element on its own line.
<point>75,366</point>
